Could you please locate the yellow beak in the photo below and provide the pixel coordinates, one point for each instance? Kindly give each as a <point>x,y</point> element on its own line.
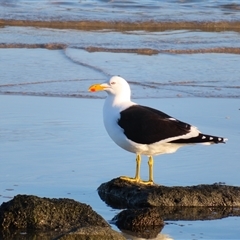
<point>96,87</point>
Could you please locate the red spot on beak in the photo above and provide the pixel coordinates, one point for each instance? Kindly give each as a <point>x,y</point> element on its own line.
<point>93,89</point>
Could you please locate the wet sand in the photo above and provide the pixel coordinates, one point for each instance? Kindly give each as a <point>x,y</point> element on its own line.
<point>143,51</point>
<point>127,26</point>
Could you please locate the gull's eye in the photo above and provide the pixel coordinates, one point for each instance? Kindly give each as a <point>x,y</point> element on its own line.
<point>112,83</point>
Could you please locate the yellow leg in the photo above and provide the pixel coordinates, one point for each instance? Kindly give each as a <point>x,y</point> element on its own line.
<point>138,164</point>
<point>137,175</point>
<point>150,165</point>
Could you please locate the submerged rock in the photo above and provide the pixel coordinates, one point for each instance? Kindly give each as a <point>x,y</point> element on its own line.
<point>144,222</point>
<point>59,215</point>
<point>119,193</point>
<point>148,222</point>
<point>92,233</point>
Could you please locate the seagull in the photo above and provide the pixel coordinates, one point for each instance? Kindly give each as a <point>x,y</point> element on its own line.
<point>144,130</point>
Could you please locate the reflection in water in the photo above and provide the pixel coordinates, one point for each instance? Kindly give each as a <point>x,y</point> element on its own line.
<point>149,232</point>
<point>197,213</point>
<point>145,222</point>
<point>133,236</point>
<point>137,222</point>
<point>28,235</point>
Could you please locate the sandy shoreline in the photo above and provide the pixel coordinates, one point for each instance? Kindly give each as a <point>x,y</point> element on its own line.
<point>142,51</point>
<point>127,26</point>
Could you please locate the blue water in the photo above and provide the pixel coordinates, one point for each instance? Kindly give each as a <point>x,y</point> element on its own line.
<point>52,139</point>
<point>58,147</point>
<point>69,72</point>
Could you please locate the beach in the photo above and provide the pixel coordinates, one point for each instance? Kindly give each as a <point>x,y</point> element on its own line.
<point>181,58</point>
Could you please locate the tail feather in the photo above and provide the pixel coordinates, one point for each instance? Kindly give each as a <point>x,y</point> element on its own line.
<point>202,138</point>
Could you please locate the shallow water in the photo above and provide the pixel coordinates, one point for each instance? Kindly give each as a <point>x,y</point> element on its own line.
<point>58,147</point>
<point>69,72</point>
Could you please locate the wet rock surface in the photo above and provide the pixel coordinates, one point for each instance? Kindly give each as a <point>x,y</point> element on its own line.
<point>33,212</point>
<point>122,194</point>
<point>58,217</point>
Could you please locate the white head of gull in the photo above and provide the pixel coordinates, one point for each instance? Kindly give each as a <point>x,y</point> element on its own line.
<point>144,130</point>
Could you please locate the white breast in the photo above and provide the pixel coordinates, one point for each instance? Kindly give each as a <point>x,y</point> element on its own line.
<point>111,115</point>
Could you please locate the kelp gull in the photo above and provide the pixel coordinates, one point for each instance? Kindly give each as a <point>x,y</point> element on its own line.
<point>144,130</point>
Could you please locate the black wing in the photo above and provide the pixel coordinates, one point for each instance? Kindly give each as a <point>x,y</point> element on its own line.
<point>146,125</point>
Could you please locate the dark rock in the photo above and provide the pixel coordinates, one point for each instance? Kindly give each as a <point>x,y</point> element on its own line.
<point>150,205</point>
<point>31,212</point>
<point>28,213</point>
<point>119,193</point>
<point>138,218</point>
<point>148,222</point>
<point>144,222</point>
